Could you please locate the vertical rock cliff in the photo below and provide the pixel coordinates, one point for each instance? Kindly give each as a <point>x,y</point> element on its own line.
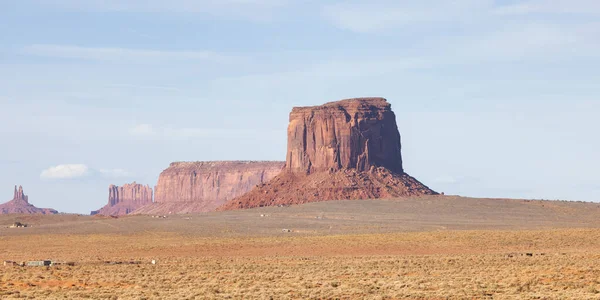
<point>349,149</point>
<point>348,134</point>
<point>188,187</point>
<point>20,205</point>
<point>125,199</point>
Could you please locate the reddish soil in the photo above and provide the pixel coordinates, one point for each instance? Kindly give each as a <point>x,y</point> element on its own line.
<point>293,188</point>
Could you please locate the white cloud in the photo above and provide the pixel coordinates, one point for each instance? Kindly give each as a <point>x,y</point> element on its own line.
<point>68,171</point>
<point>74,171</point>
<point>381,15</point>
<point>127,55</point>
<point>588,7</point>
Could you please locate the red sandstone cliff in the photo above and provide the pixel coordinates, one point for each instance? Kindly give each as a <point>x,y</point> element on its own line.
<point>349,149</point>
<point>189,187</point>
<point>348,134</point>
<point>20,205</point>
<point>125,199</point>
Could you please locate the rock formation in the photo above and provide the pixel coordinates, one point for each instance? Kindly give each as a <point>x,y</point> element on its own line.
<point>20,195</point>
<point>125,199</point>
<point>349,149</point>
<point>348,134</point>
<point>20,205</point>
<point>189,187</point>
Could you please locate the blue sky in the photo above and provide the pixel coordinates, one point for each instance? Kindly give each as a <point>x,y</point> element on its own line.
<point>493,98</point>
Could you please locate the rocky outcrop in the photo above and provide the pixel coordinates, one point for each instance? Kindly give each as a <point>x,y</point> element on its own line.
<point>349,149</point>
<point>20,195</point>
<point>189,187</point>
<point>348,134</point>
<point>20,205</point>
<point>125,199</point>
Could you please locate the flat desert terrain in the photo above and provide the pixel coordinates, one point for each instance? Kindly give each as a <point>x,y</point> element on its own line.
<point>438,247</point>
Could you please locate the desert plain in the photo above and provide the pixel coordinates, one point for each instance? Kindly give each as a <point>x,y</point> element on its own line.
<point>430,247</point>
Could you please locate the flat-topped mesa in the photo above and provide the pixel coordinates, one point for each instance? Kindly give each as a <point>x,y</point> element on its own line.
<point>20,205</point>
<point>348,149</point>
<point>222,166</point>
<point>189,187</point>
<point>125,199</point>
<point>349,134</point>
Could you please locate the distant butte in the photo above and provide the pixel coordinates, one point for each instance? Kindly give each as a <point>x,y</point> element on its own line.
<point>20,205</point>
<point>348,149</point>
<point>125,199</point>
<point>192,187</point>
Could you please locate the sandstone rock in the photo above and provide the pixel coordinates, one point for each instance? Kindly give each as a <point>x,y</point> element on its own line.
<point>20,195</point>
<point>347,134</point>
<point>20,205</point>
<point>125,199</point>
<point>349,149</point>
<point>189,187</point>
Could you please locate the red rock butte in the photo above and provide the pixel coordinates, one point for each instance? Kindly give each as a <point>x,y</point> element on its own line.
<point>20,205</point>
<point>347,134</point>
<point>191,187</point>
<point>125,199</point>
<point>348,149</point>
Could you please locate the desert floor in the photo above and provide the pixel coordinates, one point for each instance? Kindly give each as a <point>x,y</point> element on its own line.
<point>422,248</point>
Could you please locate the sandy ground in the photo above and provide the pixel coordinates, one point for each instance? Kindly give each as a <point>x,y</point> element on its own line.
<point>425,248</point>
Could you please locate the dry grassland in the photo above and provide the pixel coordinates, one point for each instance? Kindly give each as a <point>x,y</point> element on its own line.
<point>474,264</point>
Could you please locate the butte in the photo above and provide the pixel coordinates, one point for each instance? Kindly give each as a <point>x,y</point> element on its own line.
<point>20,205</point>
<point>348,149</point>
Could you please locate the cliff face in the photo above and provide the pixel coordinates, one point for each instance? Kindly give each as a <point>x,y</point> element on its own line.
<point>187,187</point>
<point>348,134</point>
<point>125,199</point>
<point>349,149</point>
<point>20,205</point>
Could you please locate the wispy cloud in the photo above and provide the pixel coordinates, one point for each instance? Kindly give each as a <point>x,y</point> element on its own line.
<point>258,10</point>
<point>446,179</point>
<point>532,42</point>
<point>144,87</point>
<point>328,69</point>
<point>380,15</point>
<point>76,171</point>
<point>149,131</point>
<point>127,55</point>
<point>143,130</point>
<point>585,7</point>
<point>115,173</point>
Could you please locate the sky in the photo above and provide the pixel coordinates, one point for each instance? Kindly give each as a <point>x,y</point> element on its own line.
<point>492,98</point>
